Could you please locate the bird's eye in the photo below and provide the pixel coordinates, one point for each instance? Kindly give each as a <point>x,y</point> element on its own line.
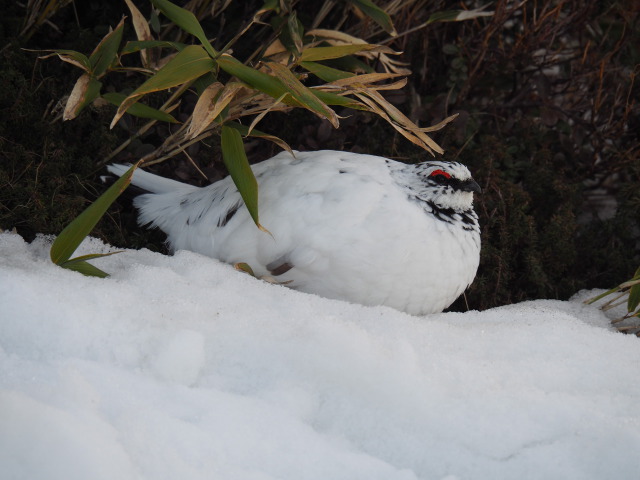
<point>440,175</point>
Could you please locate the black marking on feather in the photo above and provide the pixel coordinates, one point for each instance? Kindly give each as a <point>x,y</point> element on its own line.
<point>467,218</point>
<point>229,215</point>
<point>342,171</point>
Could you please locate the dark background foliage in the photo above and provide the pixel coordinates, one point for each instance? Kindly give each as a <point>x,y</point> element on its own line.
<point>548,123</point>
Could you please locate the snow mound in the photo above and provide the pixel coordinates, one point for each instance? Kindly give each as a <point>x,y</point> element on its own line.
<point>183,368</point>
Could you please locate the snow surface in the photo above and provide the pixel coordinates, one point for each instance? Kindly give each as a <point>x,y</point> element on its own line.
<point>183,368</point>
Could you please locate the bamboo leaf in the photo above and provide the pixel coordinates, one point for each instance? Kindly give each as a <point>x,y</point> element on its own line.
<point>458,15</point>
<point>186,21</point>
<point>601,296</point>
<point>634,294</point>
<point>85,91</point>
<point>440,125</point>
<point>376,14</point>
<point>315,54</point>
<point>332,99</point>
<point>71,56</point>
<point>136,45</point>
<point>272,86</point>
<point>271,5</point>
<point>366,78</point>
<point>254,132</point>
<point>403,124</point>
<point>141,26</point>
<point>262,114</point>
<point>138,109</point>
<point>295,32</point>
<point>68,240</point>
<point>201,83</point>
<point>258,80</point>
<point>201,117</point>
<point>634,298</point>
<point>187,65</point>
<point>236,162</point>
<point>85,268</point>
<point>105,53</point>
<point>91,256</point>
<point>415,137</point>
<point>211,103</point>
<point>154,21</point>
<point>328,74</point>
<point>244,267</point>
<point>301,93</point>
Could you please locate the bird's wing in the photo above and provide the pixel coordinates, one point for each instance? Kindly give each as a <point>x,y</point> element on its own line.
<point>315,206</point>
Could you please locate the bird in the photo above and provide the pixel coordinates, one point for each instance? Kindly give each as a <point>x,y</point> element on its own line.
<point>355,227</point>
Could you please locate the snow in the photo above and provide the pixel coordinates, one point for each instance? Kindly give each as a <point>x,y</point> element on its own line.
<point>180,367</point>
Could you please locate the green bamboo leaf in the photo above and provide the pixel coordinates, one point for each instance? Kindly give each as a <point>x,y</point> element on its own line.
<point>67,242</point>
<point>350,64</point>
<point>78,59</point>
<point>296,32</point>
<point>339,100</point>
<point>244,267</point>
<point>301,93</point>
<point>325,73</point>
<point>154,21</point>
<point>85,268</point>
<point>273,87</point>
<point>634,294</point>
<point>602,295</point>
<point>271,5</point>
<point>135,46</point>
<point>139,109</point>
<point>376,14</point>
<point>187,65</point>
<point>634,298</point>
<point>186,21</point>
<point>105,53</point>
<point>325,53</point>
<point>91,256</point>
<point>258,80</point>
<point>236,162</point>
<point>290,32</point>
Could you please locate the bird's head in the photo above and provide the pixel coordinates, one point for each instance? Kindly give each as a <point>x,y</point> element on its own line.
<point>447,185</point>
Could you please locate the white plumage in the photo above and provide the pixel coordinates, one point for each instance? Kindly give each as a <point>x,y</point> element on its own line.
<point>355,227</point>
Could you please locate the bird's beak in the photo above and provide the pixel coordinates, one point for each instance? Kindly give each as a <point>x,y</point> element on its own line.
<point>470,186</point>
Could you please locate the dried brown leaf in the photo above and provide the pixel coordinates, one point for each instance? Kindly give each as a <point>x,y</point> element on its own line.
<point>85,88</point>
<point>365,78</point>
<point>276,47</point>
<point>141,26</point>
<point>440,125</point>
<point>400,122</point>
<point>201,117</point>
<point>271,107</point>
<point>208,108</point>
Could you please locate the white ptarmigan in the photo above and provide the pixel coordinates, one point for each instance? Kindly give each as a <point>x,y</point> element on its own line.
<point>347,226</point>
